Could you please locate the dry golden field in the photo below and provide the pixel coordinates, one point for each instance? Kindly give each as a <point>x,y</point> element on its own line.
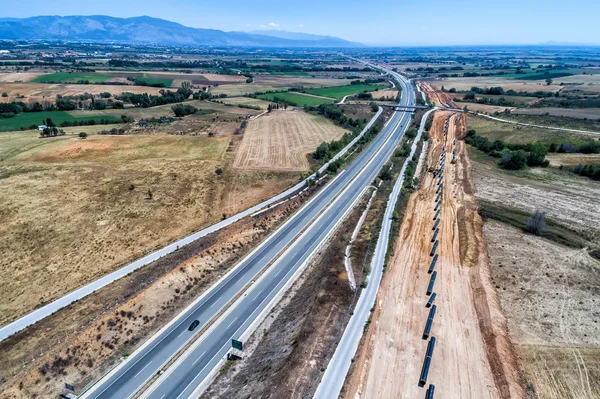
<point>18,76</point>
<point>48,91</point>
<point>281,140</point>
<point>384,93</point>
<point>73,210</point>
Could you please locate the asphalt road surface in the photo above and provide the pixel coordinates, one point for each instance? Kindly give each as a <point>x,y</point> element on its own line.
<point>328,206</point>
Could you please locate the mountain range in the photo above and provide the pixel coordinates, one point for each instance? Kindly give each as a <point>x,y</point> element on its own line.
<point>148,30</point>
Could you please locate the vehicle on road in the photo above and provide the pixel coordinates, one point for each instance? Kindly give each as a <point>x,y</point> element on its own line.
<point>193,325</point>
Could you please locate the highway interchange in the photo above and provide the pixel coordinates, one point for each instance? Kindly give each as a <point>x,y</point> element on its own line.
<point>280,259</point>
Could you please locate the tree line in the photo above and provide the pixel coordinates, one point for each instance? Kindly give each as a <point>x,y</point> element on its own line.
<point>512,156</point>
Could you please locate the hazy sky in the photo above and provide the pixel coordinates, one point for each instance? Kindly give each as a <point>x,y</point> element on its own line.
<point>398,22</point>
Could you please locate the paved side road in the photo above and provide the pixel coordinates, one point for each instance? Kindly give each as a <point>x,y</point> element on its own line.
<point>319,216</point>
<point>337,369</point>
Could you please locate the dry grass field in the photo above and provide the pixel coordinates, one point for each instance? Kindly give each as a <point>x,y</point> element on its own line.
<point>548,292</point>
<point>18,76</point>
<point>578,113</point>
<point>73,209</point>
<point>464,84</point>
<point>573,159</point>
<point>483,108</point>
<point>380,94</point>
<point>567,198</point>
<point>48,92</point>
<point>519,134</point>
<point>281,140</point>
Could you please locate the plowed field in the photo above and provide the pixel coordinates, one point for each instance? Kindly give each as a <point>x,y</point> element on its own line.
<point>281,140</point>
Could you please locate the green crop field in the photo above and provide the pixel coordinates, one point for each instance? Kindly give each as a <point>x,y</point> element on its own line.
<point>64,77</point>
<point>296,99</point>
<point>154,81</point>
<point>544,76</point>
<point>341,91</point>
<point>27,119</point>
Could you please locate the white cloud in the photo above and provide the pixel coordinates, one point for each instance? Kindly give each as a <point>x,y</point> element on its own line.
<point>273,25</point>
<point>301,25</point>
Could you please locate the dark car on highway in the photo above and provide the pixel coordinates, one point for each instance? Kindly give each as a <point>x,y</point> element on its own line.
<point>193,325</point>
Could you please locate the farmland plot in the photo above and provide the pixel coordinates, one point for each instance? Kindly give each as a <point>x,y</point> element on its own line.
<point>281,140</point>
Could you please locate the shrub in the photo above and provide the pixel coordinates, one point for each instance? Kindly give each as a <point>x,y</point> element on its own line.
<point>513,160</point>
<point>83,135</point>
<point>536,224</point>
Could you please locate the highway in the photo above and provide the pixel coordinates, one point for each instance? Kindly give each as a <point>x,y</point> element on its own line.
<point>337,369</point>
<point>290,246</point>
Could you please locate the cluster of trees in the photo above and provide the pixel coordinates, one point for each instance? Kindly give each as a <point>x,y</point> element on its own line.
<point>51,130</point>
<point>166,97</point>
<point>573,102</point>
<point>86,122</point>
<point>113,132</point>
<point>181,110</point>
<point>496,90</point>
<point>587,147</point>
<point>470,97</point>
<point>364,96</point>
<point>434,70</point>
<point>335,113</point>
<point>62,103</point>
<point>591,171</point>
<point>512,156</point>
<point>326,151</point>
<point>125,63</point>
<point>277,101</point>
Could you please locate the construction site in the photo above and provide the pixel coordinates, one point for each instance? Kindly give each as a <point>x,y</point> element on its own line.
<point>436,325</point>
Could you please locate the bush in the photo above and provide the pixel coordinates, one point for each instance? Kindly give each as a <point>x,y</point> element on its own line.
<point>83,135</point>
<point>513,160</point>
<point>181,110</point>
<point>536,224</point>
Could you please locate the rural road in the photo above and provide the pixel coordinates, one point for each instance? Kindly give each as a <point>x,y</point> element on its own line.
<point>290,246</point>
<point>532,125</point>
<point>337,369</point>
<point>343,100</point>
<point>46,310</point>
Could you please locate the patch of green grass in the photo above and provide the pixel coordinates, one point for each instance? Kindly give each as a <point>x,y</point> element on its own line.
<point>291,73</point>
<point>296,98</point>
<point>154,81</point>
<point>518,218</point>
<point>544,76</point>
<point>27,119</point>
<point>65,77</point>
<point>341,91</point>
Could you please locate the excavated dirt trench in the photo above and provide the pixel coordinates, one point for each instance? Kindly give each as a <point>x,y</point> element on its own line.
<point>473,357</point>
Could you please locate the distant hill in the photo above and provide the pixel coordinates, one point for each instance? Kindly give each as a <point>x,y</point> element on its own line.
<point>147,30</point>
<point>282,34</point>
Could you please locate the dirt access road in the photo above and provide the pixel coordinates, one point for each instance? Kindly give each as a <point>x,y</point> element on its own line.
<point>472,356</point>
